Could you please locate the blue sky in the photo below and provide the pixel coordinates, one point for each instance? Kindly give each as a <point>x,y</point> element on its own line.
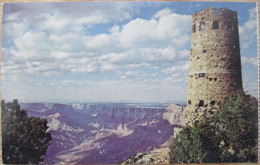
<point>109,51</point>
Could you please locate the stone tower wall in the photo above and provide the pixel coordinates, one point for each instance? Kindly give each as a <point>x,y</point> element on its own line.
<point>214,65</point>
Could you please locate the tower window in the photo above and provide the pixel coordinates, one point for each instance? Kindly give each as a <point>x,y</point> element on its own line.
<point>215,25</point>
<point>204,51</point>
<point>189,102</point>
<point>194,28</point>
<point>202,75</point>
<point>215,79</point>
<point>201,103</point>
<point>202,26</point>
<point>210,79</point>
<point>213,102</point>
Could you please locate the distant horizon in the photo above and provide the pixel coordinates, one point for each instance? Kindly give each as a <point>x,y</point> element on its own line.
<point>95,102</point>
<point>113,52</point>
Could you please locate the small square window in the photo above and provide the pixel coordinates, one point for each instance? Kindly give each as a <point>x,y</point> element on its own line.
<point>204,51</point>
<point>213,102</point>
<point>215,25</point>
<point>215,79</point>
<point>202,26</point>
<point>210,79</point>
<point>202,75</point>
<point>194,28</point>
<point>201,103</point>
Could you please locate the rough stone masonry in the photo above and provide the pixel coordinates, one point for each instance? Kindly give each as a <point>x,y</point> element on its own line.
<point>214,65</point>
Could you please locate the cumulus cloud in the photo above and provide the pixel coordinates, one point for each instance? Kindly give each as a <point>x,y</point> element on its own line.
<point>183,53</point>
<point>163,30</point>
<point>131,45</point>
<point>177,77</point>
<point>249,61</point>
<point>53,43</point>
<point>108,42</point>
<point>56,23</point>
<point>180,66</point>
<point>163,12</point>
<point>248,31</point>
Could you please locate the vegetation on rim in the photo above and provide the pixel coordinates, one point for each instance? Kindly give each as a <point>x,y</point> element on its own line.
<point>24,139</point>
<point>229,135</point>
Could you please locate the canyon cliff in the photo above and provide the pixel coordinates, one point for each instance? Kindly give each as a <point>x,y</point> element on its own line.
<point>105,133</point>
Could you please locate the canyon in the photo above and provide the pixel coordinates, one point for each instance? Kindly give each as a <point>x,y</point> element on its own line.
<point>106,133</point>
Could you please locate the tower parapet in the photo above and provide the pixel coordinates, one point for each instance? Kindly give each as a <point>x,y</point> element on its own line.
<point>214,64</point>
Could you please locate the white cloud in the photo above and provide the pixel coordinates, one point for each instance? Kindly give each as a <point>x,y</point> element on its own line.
<point>177,77</point>
<point>56,23</point>
<point>173,27</point>
<point>114,57</point>
<point>138,30</point>
<point>248,31</point>
<point>249,60</point>
<point>138,65</point>
<point>138,56</point>
<point>114,29</point>
<point>62,38</point>
<point>163,12</point>
<point>180,66</point>
<point>95,19</point>
<point>31,41</point>
<point>183,53</point>
<point>137,75</point>
<point>168,53</point>
<point>62,48</point>
<point>59,54</point>
<point>98,41</point>
<point>77,61</point>
<point>158,54</point>
<point>89,68</point>
<point>39,83</point>
<point>108,67</point>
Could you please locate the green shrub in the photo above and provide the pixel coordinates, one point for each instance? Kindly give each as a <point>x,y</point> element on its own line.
<point>229,135</point>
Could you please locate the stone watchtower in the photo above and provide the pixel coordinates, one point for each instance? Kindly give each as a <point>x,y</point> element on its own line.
<point>214,65</point>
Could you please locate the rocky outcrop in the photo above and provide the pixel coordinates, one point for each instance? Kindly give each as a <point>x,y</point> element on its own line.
<point>173,114</point>
<point>193,116</point>
<point>157,156</point>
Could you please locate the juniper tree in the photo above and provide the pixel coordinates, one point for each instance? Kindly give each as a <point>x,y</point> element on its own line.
<point>24,139</point>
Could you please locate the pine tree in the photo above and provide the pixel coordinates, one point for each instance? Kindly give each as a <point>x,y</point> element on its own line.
<point>24,139</point>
